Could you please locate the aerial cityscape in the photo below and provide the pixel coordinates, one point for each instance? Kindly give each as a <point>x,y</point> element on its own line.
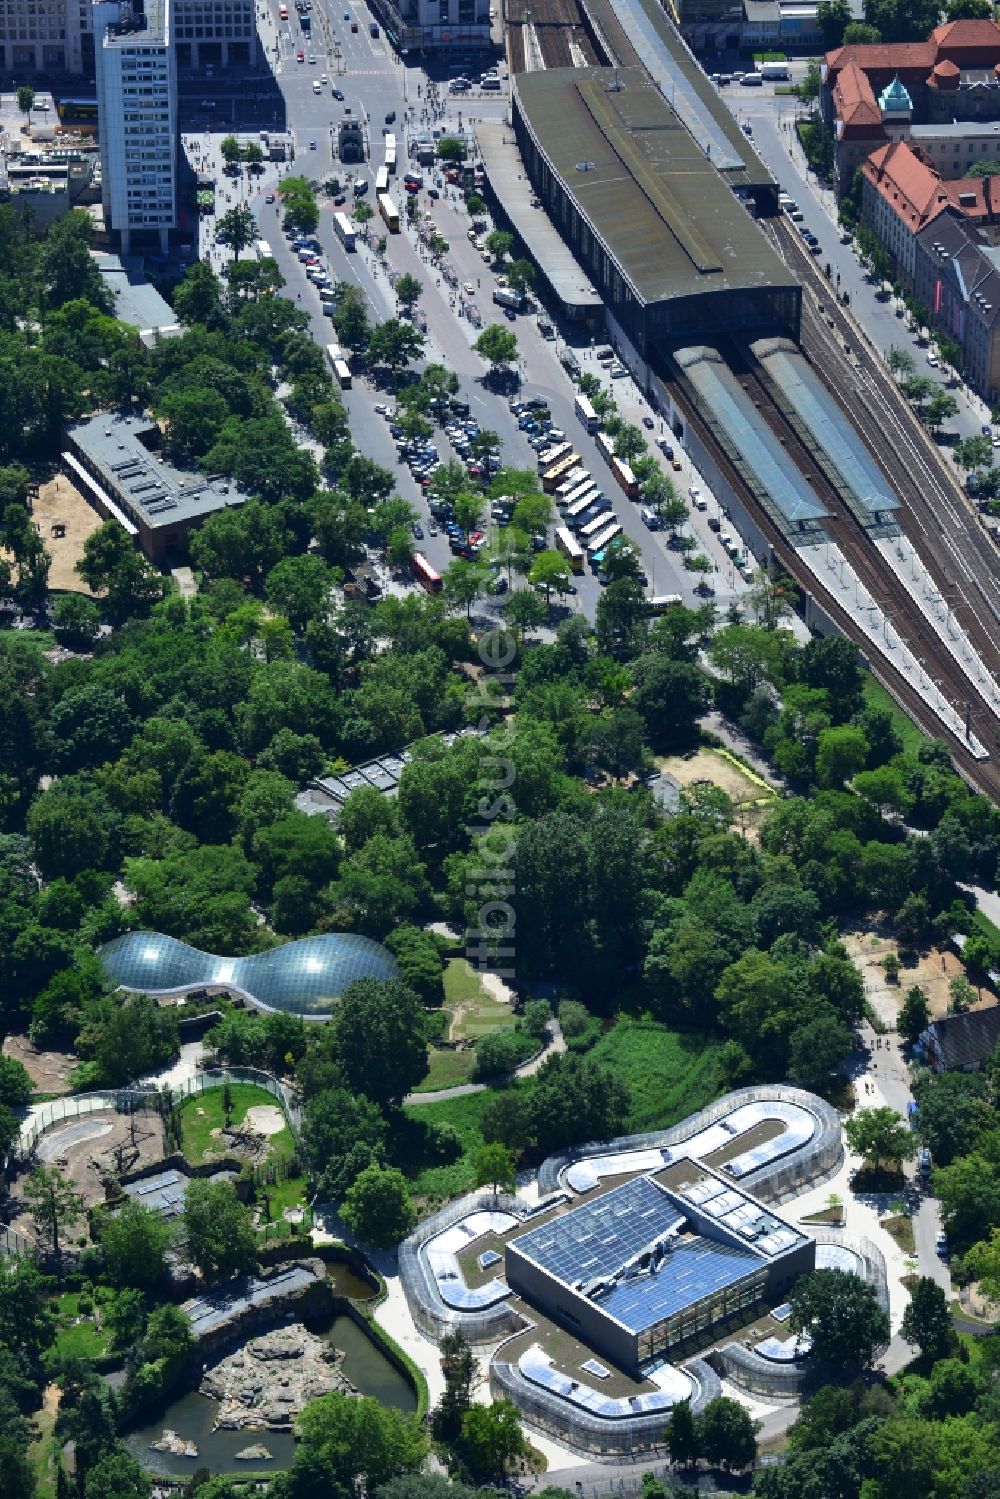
<point>500,848</point>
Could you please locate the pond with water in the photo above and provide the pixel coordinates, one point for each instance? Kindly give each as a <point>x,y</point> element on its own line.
<point>192,1415</point>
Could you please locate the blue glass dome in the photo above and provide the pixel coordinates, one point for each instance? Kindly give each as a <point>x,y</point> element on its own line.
<point>301,978</point>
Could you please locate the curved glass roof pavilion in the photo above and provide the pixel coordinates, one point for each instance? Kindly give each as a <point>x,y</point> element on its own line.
<point>301,978</point>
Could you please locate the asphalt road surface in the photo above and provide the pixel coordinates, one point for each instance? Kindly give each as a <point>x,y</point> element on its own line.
<point>374,85</point>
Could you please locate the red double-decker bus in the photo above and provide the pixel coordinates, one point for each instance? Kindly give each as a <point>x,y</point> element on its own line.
<point>425,574</point>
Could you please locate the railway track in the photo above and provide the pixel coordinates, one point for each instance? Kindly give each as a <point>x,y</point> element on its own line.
<point>908,622</point>
<point>953,545</point>
<point>882,582</point>
<point>515,49</point>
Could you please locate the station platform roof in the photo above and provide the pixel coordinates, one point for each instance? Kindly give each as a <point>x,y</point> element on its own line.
<point>646,185</point>
<point>870,495</point>
<point>639,32</point>
<point>546,246</point>
<point>752,446</point>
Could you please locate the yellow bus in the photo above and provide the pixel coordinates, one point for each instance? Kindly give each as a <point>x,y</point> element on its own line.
<point>389,212</point>
<point>570,549</point>
<point>554,476</point>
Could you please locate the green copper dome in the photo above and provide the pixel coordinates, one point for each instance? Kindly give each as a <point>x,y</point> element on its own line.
<point>895,99</point>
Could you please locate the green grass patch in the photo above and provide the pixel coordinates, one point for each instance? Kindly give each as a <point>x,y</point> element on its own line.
<point>825,1215</point>
<point>876,696</point>
<point>447,1069</point>
<point>474,1012</point>
<point>900,1228</point>
<point>439,1179</point>
<point>43,1452</point>
<point>76,1336</point>
<point>290,1193</point>
<point>460,982</point>
<point>982,923</point>
<point>204,1113</point>
<point>669,1074</point>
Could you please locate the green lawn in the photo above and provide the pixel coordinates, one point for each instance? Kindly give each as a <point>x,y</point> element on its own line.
<point>43,1451</point>
<point>76,1339</point>
<point>204,1113</point>
<point>474,1012</point>
<point>448,1178</point>
<point>669,1073</point>
<point>290,1193</point>
<point>982,923</point>
<point>877,697</point>
<point>447,1068</point>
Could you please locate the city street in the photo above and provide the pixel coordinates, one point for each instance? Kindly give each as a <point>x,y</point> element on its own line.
<point>374,85</point>
<point>772,117</point>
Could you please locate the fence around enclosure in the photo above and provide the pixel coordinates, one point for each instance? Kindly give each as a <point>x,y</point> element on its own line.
<point>780,1383</point>
<point>135,1100</point>
<point>150,1099</point>
<point>423,1295</point>
<point>775,1181</point>
<point>585,1432</point>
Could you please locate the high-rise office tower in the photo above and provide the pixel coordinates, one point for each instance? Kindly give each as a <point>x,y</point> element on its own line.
<point>137,119</point>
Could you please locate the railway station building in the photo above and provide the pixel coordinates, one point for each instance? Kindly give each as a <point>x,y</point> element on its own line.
<point>640,200</point>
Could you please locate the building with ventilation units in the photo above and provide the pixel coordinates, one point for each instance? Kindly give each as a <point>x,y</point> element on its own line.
<point>642,1268</point>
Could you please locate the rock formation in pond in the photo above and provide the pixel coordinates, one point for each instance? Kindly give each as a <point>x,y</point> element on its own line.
<point>265,1384</point>
<point>172,1442</point>
<point>257,1453</point>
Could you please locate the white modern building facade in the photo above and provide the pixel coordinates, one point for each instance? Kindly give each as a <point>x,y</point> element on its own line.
<point>137,117</point>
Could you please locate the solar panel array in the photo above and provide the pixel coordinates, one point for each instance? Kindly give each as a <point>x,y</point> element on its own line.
<point>216,1307</point>
<point>690,1272</point>
<point>164,1193</point>
<point>596,1239</point>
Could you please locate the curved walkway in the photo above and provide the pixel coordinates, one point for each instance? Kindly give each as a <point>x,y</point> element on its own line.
<point>555,1043</point>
